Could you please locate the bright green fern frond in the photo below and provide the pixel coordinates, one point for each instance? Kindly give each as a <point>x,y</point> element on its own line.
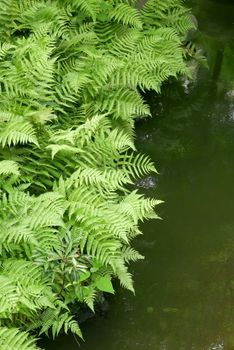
<point>127,15</point>
<point>167,13</point>
<point>138,165</point>
<point>8,167</point>
<point>122,273</point>
<point>17,131</point>
<point>5,49</point>
<point>130,254</point>
<point>13,338</point>
<point>123,104</point>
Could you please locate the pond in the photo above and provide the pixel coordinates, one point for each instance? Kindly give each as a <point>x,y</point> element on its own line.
<point>185,286</point>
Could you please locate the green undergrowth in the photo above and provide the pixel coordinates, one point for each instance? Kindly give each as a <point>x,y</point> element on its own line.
<point>71,77</point>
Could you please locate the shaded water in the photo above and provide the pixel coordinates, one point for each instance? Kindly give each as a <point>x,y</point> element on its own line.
<point>185,286</point>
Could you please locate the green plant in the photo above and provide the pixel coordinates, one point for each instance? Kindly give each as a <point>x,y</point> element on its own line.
<point>71,76</point>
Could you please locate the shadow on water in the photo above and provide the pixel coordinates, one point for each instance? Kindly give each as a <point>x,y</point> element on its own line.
<point>185,286</point>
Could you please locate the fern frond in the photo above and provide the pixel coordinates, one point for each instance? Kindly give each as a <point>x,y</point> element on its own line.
<point>13,338</point>
<point>8,167</point>
<point>127,15</point>
<point>88,7</point>
<point>5,49</point>
<point>168,13</point>
<point>17,131</point>
<point>57,319</point>
<point>66,322</point>
<point>124,276</point>
<point>124,104</point>
<point>130,254</point>
<point>62,148</point>
<point>138,165</point>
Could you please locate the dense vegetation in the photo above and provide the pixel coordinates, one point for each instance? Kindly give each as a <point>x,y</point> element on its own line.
<point>72,73</point>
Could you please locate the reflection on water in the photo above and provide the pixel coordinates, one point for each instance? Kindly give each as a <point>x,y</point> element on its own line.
<point>185,285</point>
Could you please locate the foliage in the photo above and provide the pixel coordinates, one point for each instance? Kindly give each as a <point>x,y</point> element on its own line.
<point>71,73</point>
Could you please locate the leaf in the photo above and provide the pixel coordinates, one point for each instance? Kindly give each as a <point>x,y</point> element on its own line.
<point>84,276</point>
<point>62,148</point>
<point>105,285</point>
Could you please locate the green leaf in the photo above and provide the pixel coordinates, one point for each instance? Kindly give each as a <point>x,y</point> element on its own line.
<point>84,276</point>
<point>105,285</point>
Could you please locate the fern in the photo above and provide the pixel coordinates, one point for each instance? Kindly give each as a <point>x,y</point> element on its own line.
<point>9,167</point>
<point>89,8</point>
<point>12,338</point>
<point>17,132</point>
<point>71,77</point>
<point>127,15</point>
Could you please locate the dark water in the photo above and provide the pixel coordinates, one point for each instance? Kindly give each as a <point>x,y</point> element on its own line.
<point>185,286</point>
